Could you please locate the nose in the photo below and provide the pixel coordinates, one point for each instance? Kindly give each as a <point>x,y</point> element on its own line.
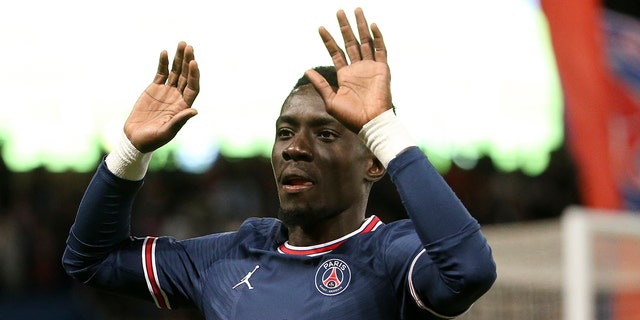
<point>299,149</point>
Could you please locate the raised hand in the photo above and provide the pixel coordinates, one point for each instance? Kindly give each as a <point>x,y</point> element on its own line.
<point>364,85</point>
<point>165,105</point>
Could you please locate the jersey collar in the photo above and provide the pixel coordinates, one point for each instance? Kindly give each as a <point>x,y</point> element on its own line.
<point>371,224</point>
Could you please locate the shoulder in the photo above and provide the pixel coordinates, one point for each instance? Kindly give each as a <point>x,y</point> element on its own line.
<point>266,227</point>
<point>252,227</point>
<point>394,246</point>
<point>392,238</point>
<point>397,228</point>
<point>261,223</point>
<point>253,232</point>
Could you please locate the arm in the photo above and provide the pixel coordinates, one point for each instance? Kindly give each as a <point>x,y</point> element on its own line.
<point>103,217</point>
<point>456,267</point>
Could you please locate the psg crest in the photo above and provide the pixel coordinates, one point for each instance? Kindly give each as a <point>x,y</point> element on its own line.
<point>333,277</point>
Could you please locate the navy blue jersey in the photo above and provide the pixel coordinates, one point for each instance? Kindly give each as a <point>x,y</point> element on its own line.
<point>433,266</point>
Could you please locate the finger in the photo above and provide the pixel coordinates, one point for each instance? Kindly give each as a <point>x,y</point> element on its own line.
<point>163,68</point>
<point>188,57</point>
<point>378,42</point>
<point>366,43</point>
<point>193,84</point>
<point>351,44</point>
<point>322,86</point>
<point>177,64</point>
<point>337,55</point>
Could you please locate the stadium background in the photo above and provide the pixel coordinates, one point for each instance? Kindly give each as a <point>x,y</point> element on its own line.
<point>38,203</point>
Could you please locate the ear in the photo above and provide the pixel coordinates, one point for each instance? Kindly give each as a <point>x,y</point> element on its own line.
<point>376,170</point>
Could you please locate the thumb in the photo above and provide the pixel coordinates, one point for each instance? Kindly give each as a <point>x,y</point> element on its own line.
<point>321,85</point>
<point>171,128</point>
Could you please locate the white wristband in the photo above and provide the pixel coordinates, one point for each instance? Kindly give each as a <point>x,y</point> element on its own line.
<point>126,162</point>
<point>386,136</point>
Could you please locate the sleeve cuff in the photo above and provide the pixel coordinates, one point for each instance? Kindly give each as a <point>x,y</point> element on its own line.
<point>386,136</point>
<point>127,162</point>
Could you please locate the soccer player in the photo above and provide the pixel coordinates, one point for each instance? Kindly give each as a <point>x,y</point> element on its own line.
<point>324,258</point>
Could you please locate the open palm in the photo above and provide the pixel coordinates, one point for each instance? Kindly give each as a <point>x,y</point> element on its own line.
<point>165,105</point>
<point>364,85</point>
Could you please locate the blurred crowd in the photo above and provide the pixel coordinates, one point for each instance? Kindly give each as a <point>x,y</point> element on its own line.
<point>38,207</point>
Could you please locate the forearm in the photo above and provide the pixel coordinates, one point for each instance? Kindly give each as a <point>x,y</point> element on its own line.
<point>103,217</point>
<point>431,204</point>
<point>457,266</point>
<point>460,266</point>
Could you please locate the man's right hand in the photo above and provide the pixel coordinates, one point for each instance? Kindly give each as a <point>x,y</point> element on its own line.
<point>165,105</point>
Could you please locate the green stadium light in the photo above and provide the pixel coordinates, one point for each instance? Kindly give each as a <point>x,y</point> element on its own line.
<point>468,83</point>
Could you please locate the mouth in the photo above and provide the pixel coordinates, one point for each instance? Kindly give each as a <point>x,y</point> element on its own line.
<point>295,183</point>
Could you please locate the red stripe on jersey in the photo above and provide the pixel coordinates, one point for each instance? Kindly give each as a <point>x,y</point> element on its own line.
<point>369,226</point>
<point>152,282</point>
<point>372,225</point>
<point>311,251</point>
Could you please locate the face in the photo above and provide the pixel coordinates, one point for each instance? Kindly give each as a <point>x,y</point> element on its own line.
<point>319,165</point>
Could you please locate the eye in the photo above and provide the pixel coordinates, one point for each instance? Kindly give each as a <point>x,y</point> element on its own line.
<point>284,133</point>
<point>328,135</point>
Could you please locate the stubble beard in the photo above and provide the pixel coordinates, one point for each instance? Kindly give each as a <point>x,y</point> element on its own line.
<point>304,218</point>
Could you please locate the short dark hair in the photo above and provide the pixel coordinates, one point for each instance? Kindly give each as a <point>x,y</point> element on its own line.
<point>328,72</point>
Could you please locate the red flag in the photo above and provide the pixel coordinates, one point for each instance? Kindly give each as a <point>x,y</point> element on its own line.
<point>600,113</point>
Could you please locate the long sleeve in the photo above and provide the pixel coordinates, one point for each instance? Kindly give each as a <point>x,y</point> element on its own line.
<point>100,251</point>
<point>432,205</point>
<point>102,222</point>
<point>457,266</point>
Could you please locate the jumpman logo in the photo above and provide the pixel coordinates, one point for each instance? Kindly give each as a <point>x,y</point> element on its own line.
<point>245,280</point>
